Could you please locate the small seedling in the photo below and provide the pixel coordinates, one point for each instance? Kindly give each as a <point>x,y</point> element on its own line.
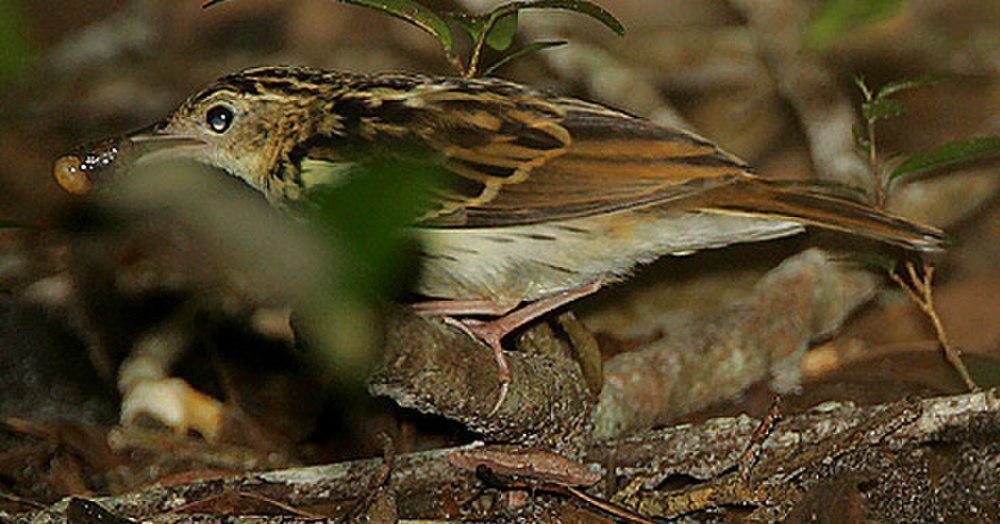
<point>899,168</point>
<point>496,29</point>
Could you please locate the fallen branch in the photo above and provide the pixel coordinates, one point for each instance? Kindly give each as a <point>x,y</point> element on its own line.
<point>437,369</point>
<point>801,452</point>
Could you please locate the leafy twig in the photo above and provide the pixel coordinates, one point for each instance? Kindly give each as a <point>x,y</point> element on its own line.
<point>530,48</point>
<point>495,29</point>
<point>878,106</point>
<point>948,155</point>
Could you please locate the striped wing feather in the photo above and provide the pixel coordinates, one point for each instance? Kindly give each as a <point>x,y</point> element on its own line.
<point>515,158</point>
<point>612,162</point>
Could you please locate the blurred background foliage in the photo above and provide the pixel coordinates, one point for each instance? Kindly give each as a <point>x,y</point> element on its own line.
<point>834,19</point>
<point>15,48</point>
<point>87,287</point>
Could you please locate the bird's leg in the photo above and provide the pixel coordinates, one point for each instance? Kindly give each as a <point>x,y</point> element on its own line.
<point>504,325</point>
<point>464,308</point>
<point>510,318</point>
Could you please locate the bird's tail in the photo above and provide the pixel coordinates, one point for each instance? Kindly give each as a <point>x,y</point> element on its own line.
<point>808,205</point>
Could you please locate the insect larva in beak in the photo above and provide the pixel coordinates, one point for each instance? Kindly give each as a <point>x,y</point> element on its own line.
<point>77,172</point>
<point>71,176</point>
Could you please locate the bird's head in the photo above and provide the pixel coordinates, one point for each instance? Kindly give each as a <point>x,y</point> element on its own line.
<point>241,124</point>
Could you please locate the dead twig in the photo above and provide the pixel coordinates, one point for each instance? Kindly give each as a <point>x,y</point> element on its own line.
<point>21,500</point>
<point>752,454</point>
<point>377,488</point>
<point>199,506</point>
<point>504,478</point>
<point>608,507</point>
<point>920,289</point>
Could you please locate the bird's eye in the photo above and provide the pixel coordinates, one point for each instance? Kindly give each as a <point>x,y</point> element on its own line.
<point>219,118</point>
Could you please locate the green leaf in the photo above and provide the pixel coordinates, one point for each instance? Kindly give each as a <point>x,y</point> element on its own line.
<point>902,85</point>
<point>407,10</point>
<point>472,24</point>
<point>414,13</point>
<point>837,18</point>
<point>376,246</point>
<point>526,50</point>
<point>882,108</point>
<point>948,155</point>
<point>502,32</point>
<point>580,6</point>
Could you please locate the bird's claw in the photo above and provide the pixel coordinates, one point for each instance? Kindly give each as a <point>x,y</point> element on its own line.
<point>483,332</point>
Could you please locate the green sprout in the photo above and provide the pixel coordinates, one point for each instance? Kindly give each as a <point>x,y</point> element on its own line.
<point>496,29</point>
<point>836,18</point>
<point>879,105</point>
<point>917,279</point>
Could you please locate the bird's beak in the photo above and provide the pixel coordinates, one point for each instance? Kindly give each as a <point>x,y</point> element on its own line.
<point>91,165</point>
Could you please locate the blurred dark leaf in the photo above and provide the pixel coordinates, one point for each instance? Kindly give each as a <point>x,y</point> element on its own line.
<point>948,155</point>
<point>414,13</point>
<point>837,18</point>
<point>87,511</point>
<point>365,221</point>
<point>524,51</point>
<point>580,6</point>
<point>15,53</point>
<point>882,108</point>
<point>902,85</point>
<point>502,32</point>
<point>7,224</point>
<point>367,217</point>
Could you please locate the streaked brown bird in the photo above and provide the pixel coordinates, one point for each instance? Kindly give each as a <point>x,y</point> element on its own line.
<point>548,197</point>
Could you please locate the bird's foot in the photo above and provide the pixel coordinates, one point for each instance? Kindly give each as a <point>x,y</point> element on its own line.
<point>491,336</point>
<point>509,318</point>
<point>173,403</point>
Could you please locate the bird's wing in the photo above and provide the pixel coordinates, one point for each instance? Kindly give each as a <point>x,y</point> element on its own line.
<point>514,158</point>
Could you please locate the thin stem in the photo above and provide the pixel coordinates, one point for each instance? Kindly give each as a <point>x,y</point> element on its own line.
<point>477,51</point>
<point>921,291</point>
<point>20,500</point>
<point>881,186</point>
<point>873,162</point>
<point>614,509</point>
<point>880,196</point>
<point>751,454</point>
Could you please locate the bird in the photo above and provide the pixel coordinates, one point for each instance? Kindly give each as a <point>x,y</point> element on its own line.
<point>546,198</point>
